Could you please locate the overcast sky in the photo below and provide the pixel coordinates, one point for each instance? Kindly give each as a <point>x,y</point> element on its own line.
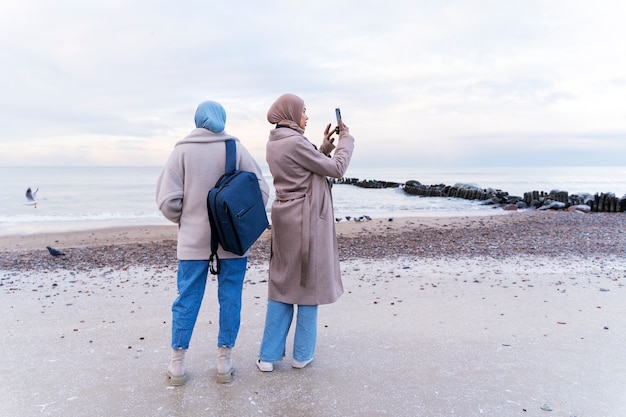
<point>419,82</point>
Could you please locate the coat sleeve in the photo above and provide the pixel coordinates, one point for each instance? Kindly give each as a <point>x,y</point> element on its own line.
<point>315,161</point>
<point>169,192</point>
<point>248,163</point>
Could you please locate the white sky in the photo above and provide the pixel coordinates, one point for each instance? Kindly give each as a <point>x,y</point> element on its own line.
<point>419,82</point>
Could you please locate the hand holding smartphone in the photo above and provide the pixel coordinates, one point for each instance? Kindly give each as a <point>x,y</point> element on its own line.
<point>338,115</point>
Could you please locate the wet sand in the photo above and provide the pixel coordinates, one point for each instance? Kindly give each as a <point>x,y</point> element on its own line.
<point>464,316</point>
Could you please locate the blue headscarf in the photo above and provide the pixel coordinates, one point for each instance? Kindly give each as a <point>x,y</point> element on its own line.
<point>211,115</point>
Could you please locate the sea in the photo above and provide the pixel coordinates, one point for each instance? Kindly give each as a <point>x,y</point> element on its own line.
<point>80,198</point>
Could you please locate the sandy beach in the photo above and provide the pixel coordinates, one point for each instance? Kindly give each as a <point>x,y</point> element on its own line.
<point>519,314</point>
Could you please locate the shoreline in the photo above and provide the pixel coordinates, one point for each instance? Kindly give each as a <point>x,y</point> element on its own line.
<point>144,233</point>
<point>98,236</point>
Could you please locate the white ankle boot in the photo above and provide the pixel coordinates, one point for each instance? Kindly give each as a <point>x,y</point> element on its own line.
<point>224,365</point>
<point>176,368</point>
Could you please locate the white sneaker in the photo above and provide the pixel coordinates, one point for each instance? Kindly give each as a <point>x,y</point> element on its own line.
<point>264,366</point>
<point>300,365</point>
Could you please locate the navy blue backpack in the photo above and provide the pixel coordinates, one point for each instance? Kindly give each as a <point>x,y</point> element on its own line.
<point>236,210</point>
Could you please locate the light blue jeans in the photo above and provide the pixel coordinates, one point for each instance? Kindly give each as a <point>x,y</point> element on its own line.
<point>277,322</point>
<point>192,277</point>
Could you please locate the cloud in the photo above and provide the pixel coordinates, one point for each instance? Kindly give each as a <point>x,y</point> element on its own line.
<point>433,83</point>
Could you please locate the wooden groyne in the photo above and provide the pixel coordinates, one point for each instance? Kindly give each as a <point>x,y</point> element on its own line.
<point>368,183</point>
<point>553,200</point>
<point>465,191</point>
<point>599,202</point>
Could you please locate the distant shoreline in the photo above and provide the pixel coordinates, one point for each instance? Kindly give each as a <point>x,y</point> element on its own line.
<point>85,229</point>
<point>94,236</point>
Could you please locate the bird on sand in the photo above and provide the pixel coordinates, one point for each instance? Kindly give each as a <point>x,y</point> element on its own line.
<point>31,197</point>
<point>54,252</point>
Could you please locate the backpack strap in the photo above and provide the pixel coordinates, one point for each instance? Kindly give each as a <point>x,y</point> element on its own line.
<point>231,155</point>
<point>214,257</point>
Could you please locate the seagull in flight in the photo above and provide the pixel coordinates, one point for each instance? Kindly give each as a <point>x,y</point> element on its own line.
<point>31,197</point>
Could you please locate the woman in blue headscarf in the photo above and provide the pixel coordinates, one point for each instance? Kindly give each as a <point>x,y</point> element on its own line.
<point>193,168</point>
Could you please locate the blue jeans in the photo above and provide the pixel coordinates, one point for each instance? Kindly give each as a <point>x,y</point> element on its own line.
<point>192,277</point>
<point>277,322</point>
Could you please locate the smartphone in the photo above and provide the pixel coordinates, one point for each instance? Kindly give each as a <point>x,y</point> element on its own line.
<point>338,114</point>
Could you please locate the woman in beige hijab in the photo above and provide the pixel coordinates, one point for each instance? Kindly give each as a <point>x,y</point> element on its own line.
<point>304,262</point>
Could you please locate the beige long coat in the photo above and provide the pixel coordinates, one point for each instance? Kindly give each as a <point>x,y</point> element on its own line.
<point>304,263</point>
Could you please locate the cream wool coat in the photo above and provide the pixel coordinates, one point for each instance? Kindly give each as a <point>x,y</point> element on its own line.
<point>304,263</point>
<point>193,168</point>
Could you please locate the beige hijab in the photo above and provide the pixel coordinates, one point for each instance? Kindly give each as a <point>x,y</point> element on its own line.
<point>287,111</point>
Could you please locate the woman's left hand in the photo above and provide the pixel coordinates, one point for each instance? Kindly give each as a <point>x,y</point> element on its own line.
<point>327,144</point>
